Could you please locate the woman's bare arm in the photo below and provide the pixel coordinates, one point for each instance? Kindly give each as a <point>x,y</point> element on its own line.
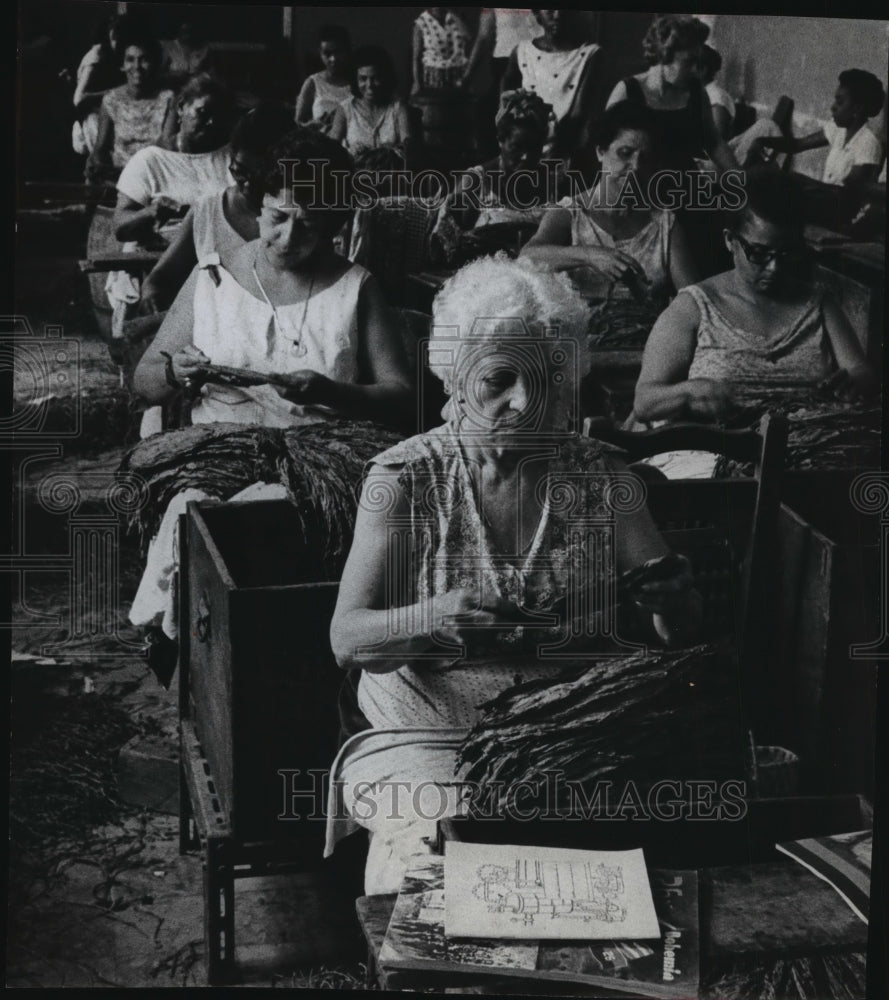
<point>364,632</point>
<point>176,334</point>
<point>664,390</point>
<point>172,270</point>
<point>304,101</point>
<point>551,247</point>
<point>100,158</point>
<point>862,379</point>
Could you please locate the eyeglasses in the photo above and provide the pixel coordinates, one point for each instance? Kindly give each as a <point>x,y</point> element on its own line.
<point>760,255</point>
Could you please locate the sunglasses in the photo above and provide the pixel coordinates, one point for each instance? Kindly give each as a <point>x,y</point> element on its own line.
<point>760,255</point>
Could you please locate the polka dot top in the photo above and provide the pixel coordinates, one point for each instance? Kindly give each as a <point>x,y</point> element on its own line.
<point>447,546</point>
<point>555,76</point>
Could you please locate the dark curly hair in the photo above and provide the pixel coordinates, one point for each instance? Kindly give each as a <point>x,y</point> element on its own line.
<point>335,33</point>
<point>316,169</point>
<point>770,195</point>
<point>865,90</point>
<point>131,30</point>
<point>618,118</point>
<point>672,33</point>
<point>522,109</point>
<point>261,127</point>
<point>379,58</point>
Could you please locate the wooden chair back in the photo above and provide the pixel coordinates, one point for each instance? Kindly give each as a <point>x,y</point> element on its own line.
<point>765,447</point>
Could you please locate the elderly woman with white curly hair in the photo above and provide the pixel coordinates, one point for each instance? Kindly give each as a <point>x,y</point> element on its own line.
<point>466,560</point>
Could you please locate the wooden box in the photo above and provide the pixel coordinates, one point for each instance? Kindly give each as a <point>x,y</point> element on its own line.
<point>261,680</point>
<point>829,558</point>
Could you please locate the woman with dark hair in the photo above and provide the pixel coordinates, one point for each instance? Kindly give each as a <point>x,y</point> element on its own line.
<point>624,254</point>
<point>508,191</point>
<point>286,306</point>
<point>855,153</point>
<point>562,68</point>
<point>683,121</point>
<point>756,330</point>
<point>323,92</point>
<point>157,186</point>
<point>222,221</point>
<point>373,116</point>
<point>98,73</point>
<point>138,114</point>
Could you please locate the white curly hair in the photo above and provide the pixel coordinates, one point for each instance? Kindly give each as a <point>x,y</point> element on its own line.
<point>496,298</point>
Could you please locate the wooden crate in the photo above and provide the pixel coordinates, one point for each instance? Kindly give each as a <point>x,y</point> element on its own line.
<point>262,680</point>
<point>829,559</point>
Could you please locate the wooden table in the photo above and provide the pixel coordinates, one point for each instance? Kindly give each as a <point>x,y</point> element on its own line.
<point>751,913</point>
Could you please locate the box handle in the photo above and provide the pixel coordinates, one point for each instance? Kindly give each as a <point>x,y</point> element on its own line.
<point>202,624</point>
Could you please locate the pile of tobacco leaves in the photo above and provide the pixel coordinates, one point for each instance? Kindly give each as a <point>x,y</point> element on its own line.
<point>320,464</point>
<point>641,718</point>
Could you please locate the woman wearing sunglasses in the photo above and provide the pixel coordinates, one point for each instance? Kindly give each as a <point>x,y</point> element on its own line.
<point>758,329</point>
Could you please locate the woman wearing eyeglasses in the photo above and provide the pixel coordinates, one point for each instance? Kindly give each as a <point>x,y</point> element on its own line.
<point>224,220</point>
<point>759,328</point>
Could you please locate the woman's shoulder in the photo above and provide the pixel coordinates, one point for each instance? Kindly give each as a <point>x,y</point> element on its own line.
<point>417,450</point>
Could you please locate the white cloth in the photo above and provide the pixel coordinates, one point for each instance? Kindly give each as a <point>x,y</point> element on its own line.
<point>862,149</point>
<point>155,600</point>
<point>513,25</point>
<point>721,98</point>
<point>234,327</point>
<point>151,173</point>
<point>395,783</point>
<point>328,96</point>
<point>184,177</point>
<point>554,76</point>
<point>213,233</point>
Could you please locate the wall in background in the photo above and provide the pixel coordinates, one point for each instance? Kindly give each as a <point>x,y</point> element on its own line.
<point>766,57</point>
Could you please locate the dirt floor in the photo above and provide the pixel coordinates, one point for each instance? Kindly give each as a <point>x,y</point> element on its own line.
<point>99,893</point>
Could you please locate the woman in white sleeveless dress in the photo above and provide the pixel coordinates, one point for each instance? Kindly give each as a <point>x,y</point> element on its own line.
<point>285,304</point>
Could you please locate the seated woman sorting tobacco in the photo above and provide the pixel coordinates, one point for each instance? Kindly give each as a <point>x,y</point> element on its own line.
<point>626,256</point>
<point>485,504</point>
<point>288,306</point>
<point>509,192</point>
<point>758,331</point>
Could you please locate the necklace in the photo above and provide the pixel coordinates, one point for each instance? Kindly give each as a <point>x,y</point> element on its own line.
<point>298,346</point>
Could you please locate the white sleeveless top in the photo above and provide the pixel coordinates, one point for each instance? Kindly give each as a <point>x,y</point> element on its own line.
<point>554,76</point>
<point>213,233</point>
<point>328,96</point>
<point>233,327</point>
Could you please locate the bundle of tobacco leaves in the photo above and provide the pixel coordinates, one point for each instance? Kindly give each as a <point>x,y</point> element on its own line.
<point>320,464</point>
<point>823,433</point>
<point>840,976</point>
<point>646,717</point>
<point>221,459</point>
<point>322,467</point>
